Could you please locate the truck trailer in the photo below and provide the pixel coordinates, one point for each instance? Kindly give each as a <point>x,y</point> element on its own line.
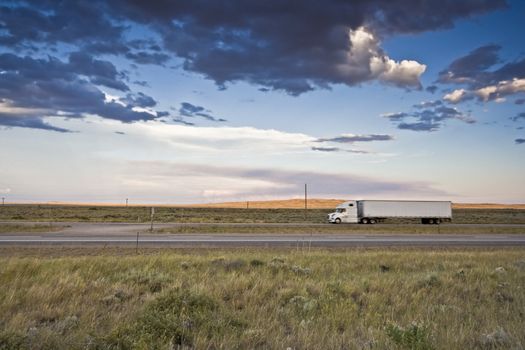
<point>373,211</point>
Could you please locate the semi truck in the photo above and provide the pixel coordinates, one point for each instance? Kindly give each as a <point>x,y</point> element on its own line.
<point>374,211</point>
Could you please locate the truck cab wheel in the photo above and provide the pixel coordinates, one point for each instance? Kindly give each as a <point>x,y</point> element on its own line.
<point>372,221</point>
<point>337,221</point>
<point>364,221</point>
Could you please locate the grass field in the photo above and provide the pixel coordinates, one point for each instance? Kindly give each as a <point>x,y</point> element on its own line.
<point>189,215</point>
<point>339,229</point>
<point>262,299</point>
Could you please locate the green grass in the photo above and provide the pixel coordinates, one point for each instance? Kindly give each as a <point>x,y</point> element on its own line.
<point>193,215</point>
<point>262,299</point>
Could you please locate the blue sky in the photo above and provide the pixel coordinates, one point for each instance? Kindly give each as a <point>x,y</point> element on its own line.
<point>186,102</point>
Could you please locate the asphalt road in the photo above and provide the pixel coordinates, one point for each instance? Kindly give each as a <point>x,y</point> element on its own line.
<point>117,234</point>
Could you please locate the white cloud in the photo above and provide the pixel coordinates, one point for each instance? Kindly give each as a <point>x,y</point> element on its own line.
<point>404,73</point>
<point>366,61</point>
<point>487,93</point>
<point>503,88</point>
<point>5,190</point>
<point>456,96</point>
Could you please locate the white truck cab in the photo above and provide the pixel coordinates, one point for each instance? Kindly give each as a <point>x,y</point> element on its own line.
<point>344,212</point>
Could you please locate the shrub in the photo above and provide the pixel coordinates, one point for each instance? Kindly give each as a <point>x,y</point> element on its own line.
<point>429,281</point>
<point>256,263</point>
<point>175,318</point>
<point>415,336</point>
<point>12,341</point>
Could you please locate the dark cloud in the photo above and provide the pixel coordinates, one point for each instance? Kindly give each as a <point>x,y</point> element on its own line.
<point>428,119</point>
<point>142,83</point>
<point>357,138</point>
<point>51,22</point>
<point>275,44</point>
<point>518,117</point>
<point>420,126</point>
<point>120,133</point>
<point>100,72</point>
<point>189,110</point>
<point>520,101</point>
<point>326,149</point>
<point>97,71</point>
<point>142,100</point>
<point>484,76</point>
<point>144,57</point>
<point>31,89</point>
<point>337,149</point>
<point>27,121</point>
<point>519,141</point>
<point>471,67</point>
<point>432,88</point>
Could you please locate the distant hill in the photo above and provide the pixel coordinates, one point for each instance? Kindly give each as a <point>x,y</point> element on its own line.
<point>277,204</point>
<point>316,203</point>
<point>296,203</point>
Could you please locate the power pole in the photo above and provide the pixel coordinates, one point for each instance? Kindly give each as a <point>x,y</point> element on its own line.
<point>3,201</point>
<point>247,205</point>
<point>305,201</point>
<point>126,202</point>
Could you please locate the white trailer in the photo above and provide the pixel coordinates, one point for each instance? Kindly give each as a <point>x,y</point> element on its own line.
<point>373,211</point>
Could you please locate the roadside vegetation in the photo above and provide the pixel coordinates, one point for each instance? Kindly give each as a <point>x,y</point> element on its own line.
<point>337,229</point>
<point>219,215</point>
<point>262,299</point>
<point>29,228</point>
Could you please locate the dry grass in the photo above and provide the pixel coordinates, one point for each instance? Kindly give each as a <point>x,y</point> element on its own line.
<point>264,299</point>
<point>222,215</point>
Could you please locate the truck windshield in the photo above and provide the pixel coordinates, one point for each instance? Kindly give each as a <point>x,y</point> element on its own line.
<point>340,210</point>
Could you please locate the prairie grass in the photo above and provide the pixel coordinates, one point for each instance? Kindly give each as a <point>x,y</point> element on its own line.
<point>262,299</point>
<point>47,213</point>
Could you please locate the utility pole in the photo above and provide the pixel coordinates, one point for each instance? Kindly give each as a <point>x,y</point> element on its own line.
<point>247,205</point>
<point>305,201</point>
<point>126,202</point>
<point>3,201</point>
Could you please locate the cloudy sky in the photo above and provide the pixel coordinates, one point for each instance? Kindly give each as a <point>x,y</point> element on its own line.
<point>204,101</point>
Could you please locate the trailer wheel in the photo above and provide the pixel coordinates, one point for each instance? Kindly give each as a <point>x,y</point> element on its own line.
<point>337,221</point>
<point>431,221</point>
<point>437,221</point>
<point>372,221</point>
<point>364,221</point>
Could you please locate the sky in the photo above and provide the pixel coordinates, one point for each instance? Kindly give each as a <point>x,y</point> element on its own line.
<point>209,101</point>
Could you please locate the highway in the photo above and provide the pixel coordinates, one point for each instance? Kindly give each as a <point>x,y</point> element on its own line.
<point>122,234</point>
